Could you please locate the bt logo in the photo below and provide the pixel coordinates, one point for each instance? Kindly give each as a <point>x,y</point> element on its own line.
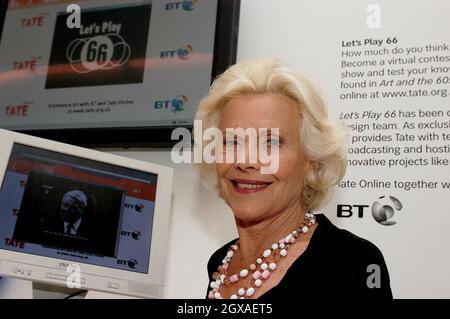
<point>382,210</point>
<point>186,5</point>
<point>136,235</point>
<point>132,263</point>
<point>176,104</point>
<point>138,207</point>
<point>182,53</point>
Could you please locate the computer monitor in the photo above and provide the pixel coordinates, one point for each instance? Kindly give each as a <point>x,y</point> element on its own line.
<point>128,74</point>
<point>81,218</point>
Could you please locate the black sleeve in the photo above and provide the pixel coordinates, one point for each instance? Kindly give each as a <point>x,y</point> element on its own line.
<point>370,276</point>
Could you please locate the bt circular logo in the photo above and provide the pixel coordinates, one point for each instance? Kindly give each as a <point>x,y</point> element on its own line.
<point>188,5</point>
<point>136,235</point>
<point>184,51</point>
<point>132,263</point>
<point>384,208</point>
<point>178,102</point>
<point>139,207</point>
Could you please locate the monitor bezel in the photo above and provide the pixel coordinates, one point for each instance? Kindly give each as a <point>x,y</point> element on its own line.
<point>160,228</point>
<point>225,51</point>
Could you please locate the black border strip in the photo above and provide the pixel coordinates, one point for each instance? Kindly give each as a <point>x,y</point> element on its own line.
<point>3,7</point>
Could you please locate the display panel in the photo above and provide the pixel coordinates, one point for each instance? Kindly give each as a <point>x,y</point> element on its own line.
<point>128,75</point>
<point>75,209</point>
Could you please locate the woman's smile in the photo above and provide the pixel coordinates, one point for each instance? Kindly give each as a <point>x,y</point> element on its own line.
<point>249,186</point>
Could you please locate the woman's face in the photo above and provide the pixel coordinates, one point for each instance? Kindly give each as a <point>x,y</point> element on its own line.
<point>270,194</point>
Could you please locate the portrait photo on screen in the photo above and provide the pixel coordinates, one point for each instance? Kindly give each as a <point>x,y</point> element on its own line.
<point>109,48</point>
<point>65,213</point>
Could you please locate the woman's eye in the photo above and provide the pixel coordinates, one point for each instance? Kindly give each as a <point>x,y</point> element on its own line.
<point>273,142</point>
<point>230,143</point>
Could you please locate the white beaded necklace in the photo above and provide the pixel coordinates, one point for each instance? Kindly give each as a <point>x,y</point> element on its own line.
<point>266,264</point>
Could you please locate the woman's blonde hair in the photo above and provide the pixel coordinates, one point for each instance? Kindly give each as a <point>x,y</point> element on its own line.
<point>323,142</point>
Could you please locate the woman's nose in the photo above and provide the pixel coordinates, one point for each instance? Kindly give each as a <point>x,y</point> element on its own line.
<point>247,157</point>
<point>247,166</point>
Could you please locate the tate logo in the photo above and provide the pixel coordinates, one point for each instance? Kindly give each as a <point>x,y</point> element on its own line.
<point>17,110</point>
<point>14,243</point>
<point>33,22</point>
<point>26,65</point>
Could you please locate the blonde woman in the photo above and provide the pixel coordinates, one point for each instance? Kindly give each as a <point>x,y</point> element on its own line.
<point>284,248</point>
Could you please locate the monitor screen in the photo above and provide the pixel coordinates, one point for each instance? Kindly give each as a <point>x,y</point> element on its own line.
<point>110,66</point>
<point>76,209</point>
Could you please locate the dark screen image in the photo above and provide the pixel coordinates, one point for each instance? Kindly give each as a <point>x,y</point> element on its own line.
<point>65,213</point>
<point>109,48</point>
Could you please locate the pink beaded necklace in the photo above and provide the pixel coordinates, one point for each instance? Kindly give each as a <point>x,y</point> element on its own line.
<point>261,270</point>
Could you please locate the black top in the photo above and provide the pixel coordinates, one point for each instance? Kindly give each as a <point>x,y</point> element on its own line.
<point>335,265</point>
